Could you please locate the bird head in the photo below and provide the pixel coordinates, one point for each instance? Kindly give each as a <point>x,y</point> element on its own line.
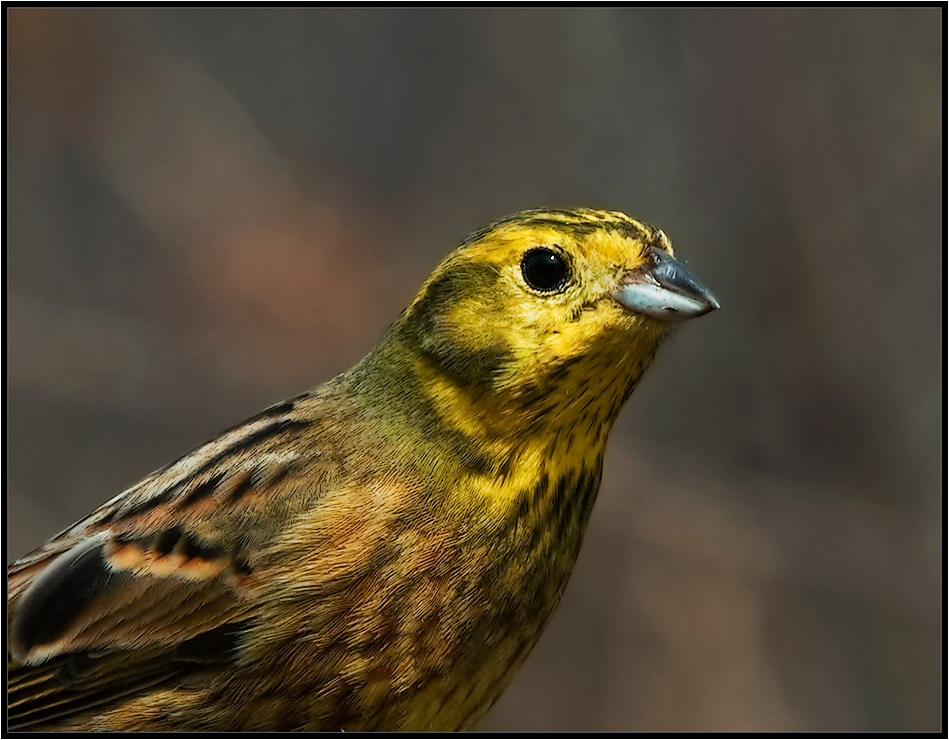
<point>545,295</point>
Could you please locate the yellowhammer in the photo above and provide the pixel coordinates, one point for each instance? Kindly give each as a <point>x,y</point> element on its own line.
<point>382,552</point>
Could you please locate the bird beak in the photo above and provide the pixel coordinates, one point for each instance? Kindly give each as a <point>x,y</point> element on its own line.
<point>663,288</point>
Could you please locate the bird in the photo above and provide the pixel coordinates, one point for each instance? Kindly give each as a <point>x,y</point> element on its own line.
<point>381,552</point>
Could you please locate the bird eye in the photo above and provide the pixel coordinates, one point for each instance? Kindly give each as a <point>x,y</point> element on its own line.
<point>545,270</point>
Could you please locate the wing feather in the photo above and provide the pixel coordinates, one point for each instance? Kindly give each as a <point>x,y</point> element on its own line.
<point>158,582</point>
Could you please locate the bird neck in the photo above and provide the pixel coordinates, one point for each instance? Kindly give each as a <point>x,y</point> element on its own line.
<point>558,411</point>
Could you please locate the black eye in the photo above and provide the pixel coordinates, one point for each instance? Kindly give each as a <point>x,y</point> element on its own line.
<point>545,270</point>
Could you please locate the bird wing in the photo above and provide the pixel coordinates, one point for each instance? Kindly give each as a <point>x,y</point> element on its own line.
<point>159,581</point>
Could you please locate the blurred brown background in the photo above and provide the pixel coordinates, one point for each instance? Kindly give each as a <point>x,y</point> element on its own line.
<point>211,210</point>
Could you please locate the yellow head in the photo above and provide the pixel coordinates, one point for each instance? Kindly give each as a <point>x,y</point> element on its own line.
<point>547,312</point>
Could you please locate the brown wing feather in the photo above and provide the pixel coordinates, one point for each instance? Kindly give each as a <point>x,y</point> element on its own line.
<point>158,582</point>
<point>56,689</point>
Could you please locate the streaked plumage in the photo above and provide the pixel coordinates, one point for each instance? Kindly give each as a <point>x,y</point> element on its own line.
<point>382,552</point>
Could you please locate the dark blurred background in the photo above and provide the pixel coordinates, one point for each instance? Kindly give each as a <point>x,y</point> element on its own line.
<point>211,210</point>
